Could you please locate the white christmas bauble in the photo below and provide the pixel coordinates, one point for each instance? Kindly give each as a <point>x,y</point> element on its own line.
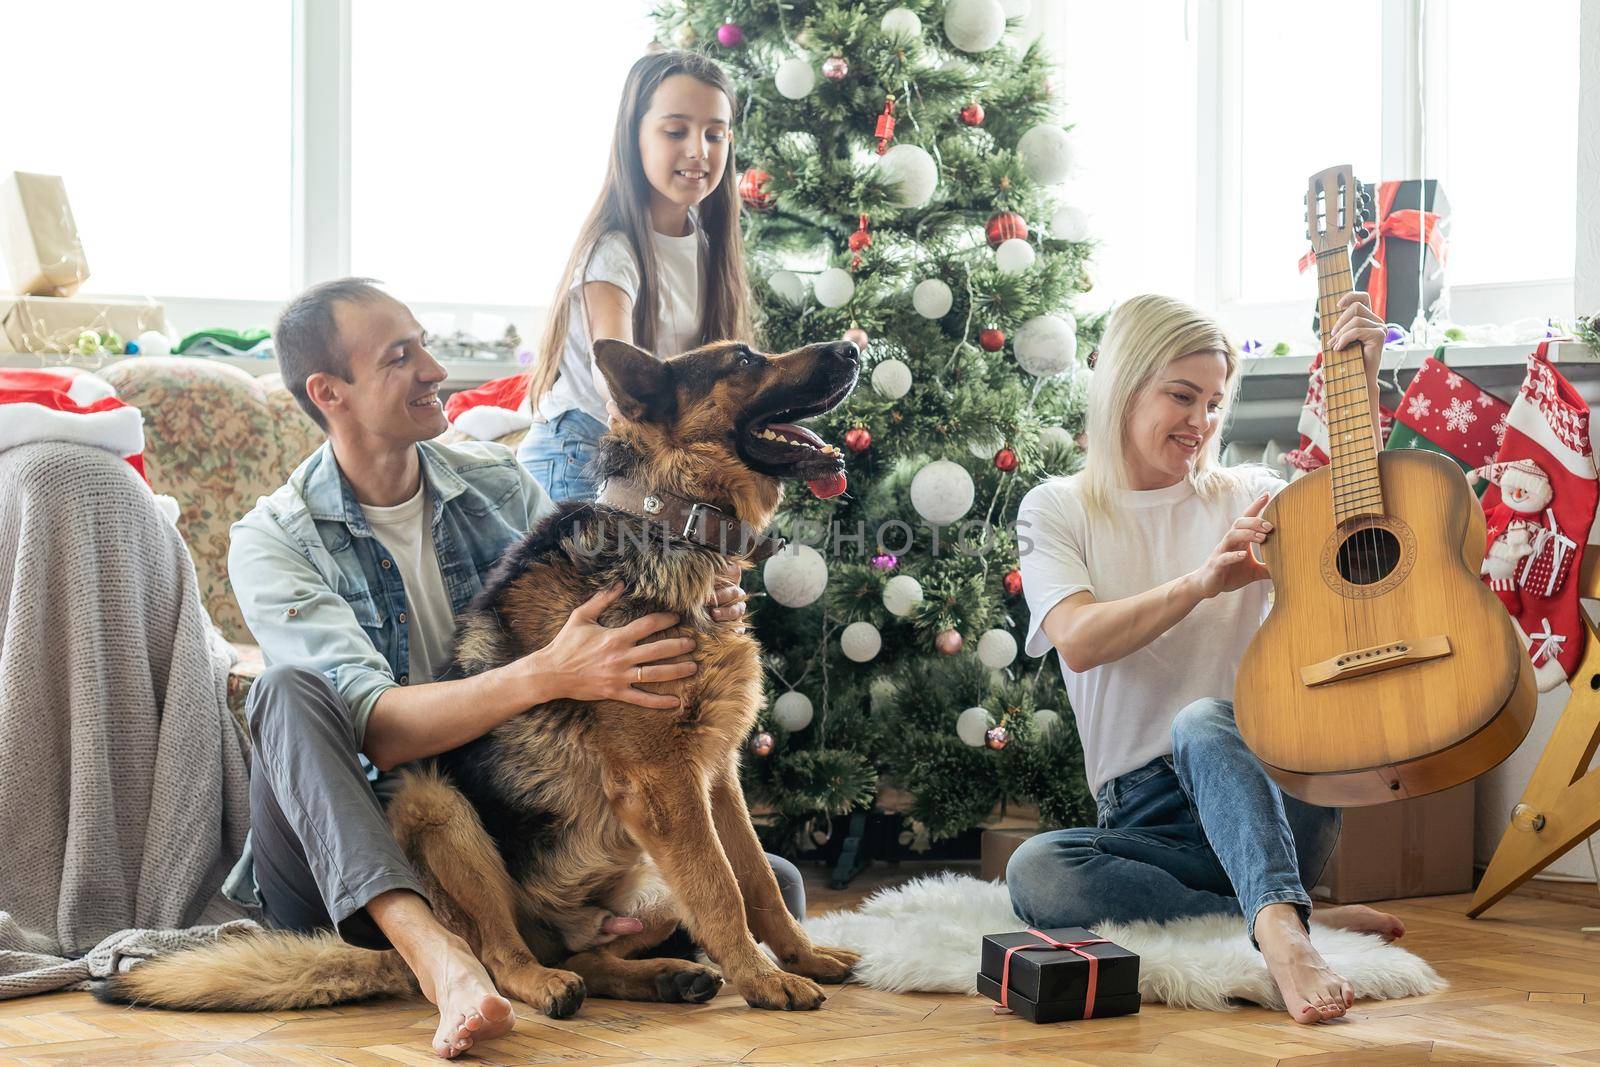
<point>1013,256</point>
<point>901,594</point>
<point>942,492</point>
<point>1046,153</point>
<point>891,379</point>
<point>1069,224</point>
<point>793,710</point>
<point>901,24</point>
<point>1045,721</point>
<point>972,725</point>
<point>1017,9</point>
<point>1046,345</point>
<point>795,78</point>
<point>787,284</point>
<point>974,25</point>
<point>154,343</point>
<point>834,287</point>
<point>860,641</point>
<point>997,648</point>
<point>1055,439</point>
<point>795,576</point>
<point>932,299</point>
<point>910,173</point>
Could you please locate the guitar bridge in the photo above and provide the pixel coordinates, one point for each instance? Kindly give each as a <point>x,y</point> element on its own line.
<point>1364,661</point>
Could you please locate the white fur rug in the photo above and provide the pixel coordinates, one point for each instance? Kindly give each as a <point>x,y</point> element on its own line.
<point>927,935</point>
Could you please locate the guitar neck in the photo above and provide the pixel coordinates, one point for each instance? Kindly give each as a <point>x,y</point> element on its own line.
<point>1352,445</point>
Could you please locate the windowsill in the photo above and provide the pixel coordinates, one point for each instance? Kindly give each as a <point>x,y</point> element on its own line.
<point>464,373</point>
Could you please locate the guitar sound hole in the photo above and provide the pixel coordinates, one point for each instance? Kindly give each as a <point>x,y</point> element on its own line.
<point>1368,556</point>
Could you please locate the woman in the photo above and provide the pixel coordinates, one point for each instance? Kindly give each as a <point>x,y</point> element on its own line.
<point>1140,575</point>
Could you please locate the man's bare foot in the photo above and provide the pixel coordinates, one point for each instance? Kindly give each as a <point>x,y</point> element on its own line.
<point>470,1009</point>
<point>1361,919</point>
<point>1312,991</point>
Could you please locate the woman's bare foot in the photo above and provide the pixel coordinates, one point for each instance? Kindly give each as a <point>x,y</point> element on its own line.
<point>470,1009</point>
<point>1312,991</point>
<point>1361,919</point>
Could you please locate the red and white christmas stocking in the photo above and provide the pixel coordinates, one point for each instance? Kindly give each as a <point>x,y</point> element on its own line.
<point>1313,450</point>
<point>1539,511</point>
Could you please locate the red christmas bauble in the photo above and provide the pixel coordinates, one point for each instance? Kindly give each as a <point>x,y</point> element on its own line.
<point>1006,460</point>
<point>972,114</point>
<point>996,737</point>
<point>859,240</point>
<point>1004,226</point>
<point>1012,582</point>
<point>857,439</point>
<point>761,744</point>
<point>751,191</point>
<point>991,339</point>
<point>949,642</point>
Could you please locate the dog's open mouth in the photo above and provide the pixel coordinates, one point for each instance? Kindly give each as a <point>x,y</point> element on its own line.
<point>776,444</point>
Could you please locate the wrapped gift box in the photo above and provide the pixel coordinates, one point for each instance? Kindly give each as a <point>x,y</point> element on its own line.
<point>1046,984</point>
<point>52,324</point>
<point>38,236</point>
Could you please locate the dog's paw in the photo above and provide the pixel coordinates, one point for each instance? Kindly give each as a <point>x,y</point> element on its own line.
<point>558,994</point>
<point>778,991</point>
<point>682,982</point>
<point>824,963</point>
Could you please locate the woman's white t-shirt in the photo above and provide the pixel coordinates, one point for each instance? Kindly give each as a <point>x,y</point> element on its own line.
<point>677,313</point>
<point>1125,709</point>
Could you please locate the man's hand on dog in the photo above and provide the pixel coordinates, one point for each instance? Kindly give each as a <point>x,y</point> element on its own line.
<point>589,661</point>
<point>728,599</point>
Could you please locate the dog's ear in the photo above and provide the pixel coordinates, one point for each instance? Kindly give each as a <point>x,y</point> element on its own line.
<point>640,383</point>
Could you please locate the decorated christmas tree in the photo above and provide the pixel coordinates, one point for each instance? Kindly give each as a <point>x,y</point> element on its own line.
<point>900,167</point>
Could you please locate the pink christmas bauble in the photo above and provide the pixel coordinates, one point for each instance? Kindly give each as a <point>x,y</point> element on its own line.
<point>949,642</point>
<point>835,67</point>
<point>729,35</point>
<point>857,336</point>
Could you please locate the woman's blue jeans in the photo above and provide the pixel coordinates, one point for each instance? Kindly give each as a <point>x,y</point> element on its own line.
<point>557,454</point>
<point>1201,832</point>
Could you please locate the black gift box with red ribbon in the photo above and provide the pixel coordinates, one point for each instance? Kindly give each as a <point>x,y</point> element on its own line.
<point>1048,976</point>
<point>1402,236</point>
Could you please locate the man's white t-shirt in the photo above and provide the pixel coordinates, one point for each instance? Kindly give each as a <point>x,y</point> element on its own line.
<point>1125,709</point>
<point>677,313</point>
<point>405,531</point>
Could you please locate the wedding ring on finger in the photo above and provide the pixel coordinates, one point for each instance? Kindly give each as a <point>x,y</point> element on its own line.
<point>638,674</point>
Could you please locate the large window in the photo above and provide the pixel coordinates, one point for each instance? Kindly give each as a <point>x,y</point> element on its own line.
<point>479,136</point>
<point>1510,122</point>
<point>170,125</point>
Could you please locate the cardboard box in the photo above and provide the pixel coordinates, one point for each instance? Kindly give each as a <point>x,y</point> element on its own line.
<point>39,237</point>
<point>49,324</point>
<point>995,848</point>
<point>1411,848</point>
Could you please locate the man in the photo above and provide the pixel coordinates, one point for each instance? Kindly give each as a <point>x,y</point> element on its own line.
<point>350,577</point>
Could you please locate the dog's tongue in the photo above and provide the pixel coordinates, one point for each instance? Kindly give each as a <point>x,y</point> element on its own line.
<point>789,429</point>
<point>829,485</point>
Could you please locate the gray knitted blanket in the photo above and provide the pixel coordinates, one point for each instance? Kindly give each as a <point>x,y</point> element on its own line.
<point>123,783</point>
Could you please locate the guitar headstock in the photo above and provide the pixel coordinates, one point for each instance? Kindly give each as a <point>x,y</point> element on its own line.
<point>1332,208</point>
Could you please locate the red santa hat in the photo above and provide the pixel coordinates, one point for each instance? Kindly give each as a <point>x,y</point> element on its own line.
<point>492,410</point>
<point>56,404</point>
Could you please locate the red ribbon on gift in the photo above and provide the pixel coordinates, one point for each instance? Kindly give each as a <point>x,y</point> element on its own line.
<point>1408,224</point>
<point>1050,943</point>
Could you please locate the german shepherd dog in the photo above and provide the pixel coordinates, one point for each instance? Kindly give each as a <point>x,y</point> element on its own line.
<point>529,838</point>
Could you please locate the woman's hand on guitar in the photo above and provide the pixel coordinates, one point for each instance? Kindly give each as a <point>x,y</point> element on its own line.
<point>1232,565</point>
<point>1359,323</point>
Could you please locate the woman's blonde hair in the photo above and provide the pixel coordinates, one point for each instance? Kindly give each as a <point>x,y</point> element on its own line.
<point>1142,337</point>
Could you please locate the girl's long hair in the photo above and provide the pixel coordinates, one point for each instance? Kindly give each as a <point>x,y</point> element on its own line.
<point>624,207</point>
<point>1143,335</point>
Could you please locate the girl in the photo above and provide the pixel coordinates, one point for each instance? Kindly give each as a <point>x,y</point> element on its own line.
<point>1140,575</point>
<point>658,262</point>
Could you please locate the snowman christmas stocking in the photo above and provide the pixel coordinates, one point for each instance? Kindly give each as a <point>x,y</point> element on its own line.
<point>1538,511</point>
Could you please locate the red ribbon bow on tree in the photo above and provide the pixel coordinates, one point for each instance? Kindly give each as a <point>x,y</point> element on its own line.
<point>1050,943</point>
<point>1408,224</point>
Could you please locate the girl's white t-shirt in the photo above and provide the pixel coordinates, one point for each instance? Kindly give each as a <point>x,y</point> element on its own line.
<point>1125,709</point>
<point>677,313</point>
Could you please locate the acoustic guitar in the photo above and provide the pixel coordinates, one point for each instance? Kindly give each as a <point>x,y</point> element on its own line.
<point>1386,669</point>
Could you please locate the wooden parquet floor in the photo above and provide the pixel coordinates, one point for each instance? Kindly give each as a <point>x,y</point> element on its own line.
<point>1525,988</point>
